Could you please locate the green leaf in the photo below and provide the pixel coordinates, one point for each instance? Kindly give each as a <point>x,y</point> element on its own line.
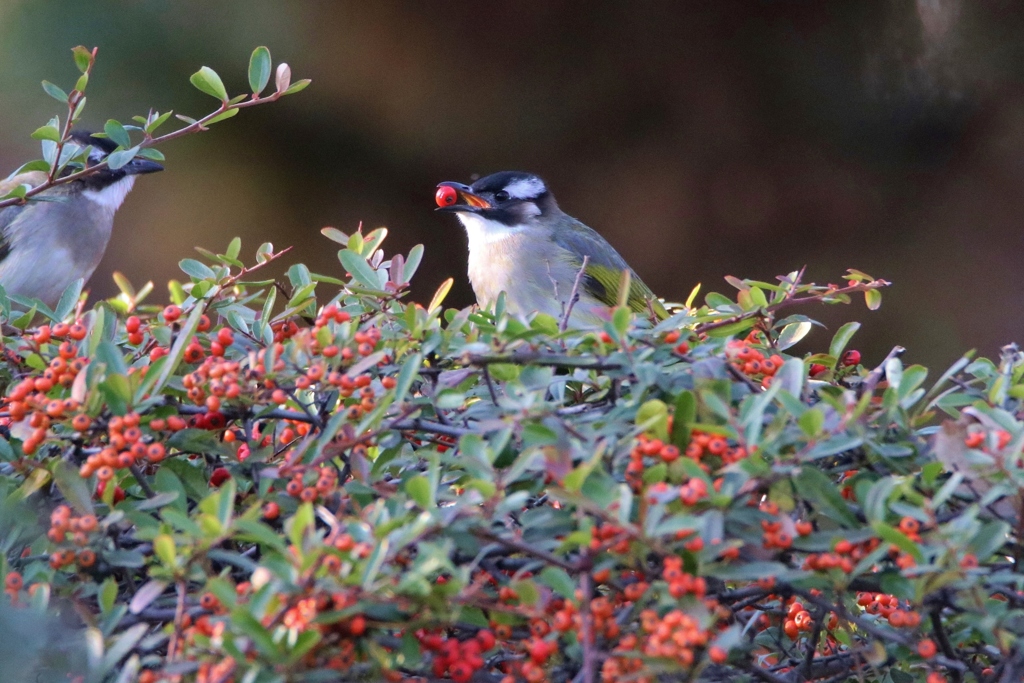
<point>897,538</point>
<point>412,262</point>
<point>46,133</point>
<point>842,338</point>
<point>68,299</point>
<point>120,158</point>
<point>812,484</point>
<point>302,519</point>
<point>116,132</point>
<point>74,489</point>
<point>207,81</point>
<point>558,580</point>
<point>178,350</point>
<point>335,235</point>
<point>684,417</point>
<point>158,121</point>
<point>82,56</point>
<point>55,92</point>
<point>259,69</point>
<point>652,417</point>
<point>107,594</point>
<point>873,299</point>
<point>360,269</point>
<point>124,644</point>
<point>196,269</point>
<point>836,445</point>
<point>234,248</point>
<point>298,86</point>
<point>250,626</point>
<point>163,547</point>
<point>418,488</point>
<point>223,115</point>
<point>791,334</point>
<point>990,538</point>
<point>408,374</point>
<point>811,422</point>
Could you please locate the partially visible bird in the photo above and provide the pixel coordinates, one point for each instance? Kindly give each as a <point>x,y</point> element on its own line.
<point>60,235</point>
<point>522,244</point>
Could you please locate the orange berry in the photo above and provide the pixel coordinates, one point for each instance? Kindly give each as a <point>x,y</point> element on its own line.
<point>13,581</point>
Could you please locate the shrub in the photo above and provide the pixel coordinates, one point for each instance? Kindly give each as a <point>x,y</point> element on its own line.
<point>315,480</point>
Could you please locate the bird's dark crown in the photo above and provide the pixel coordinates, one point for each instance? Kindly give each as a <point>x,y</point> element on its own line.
<point>101,149</point>
<point>517,184</point>
<point>513,196</point>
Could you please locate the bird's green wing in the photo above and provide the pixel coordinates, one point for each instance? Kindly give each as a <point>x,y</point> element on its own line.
<point>602,277</point>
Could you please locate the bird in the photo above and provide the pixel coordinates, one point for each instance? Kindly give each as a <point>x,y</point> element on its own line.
<point>61,234</point>
<point>522,244</point>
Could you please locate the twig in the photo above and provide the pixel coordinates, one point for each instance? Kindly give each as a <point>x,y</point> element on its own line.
<point>529,550</point>
<point>875,376</point>
<point>149,141</point>
<point>490,385</point>
<point>179,613</point>
<point>420,425</point>
<point>540,358</point>
<point>141,478</point>
<point>574,295</point>
<point>788,302</point>
<point>944,644</point>
<point>589,670</point>
<point>812,644</point>
<point>732,370</point>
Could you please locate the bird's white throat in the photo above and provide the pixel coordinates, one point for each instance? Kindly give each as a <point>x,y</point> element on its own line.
<point>112,196</point>
<point>482,231</point>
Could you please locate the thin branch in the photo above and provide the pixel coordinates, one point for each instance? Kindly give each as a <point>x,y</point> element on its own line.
<point>541,358</point>
<point>490,385</point>
<point>790,301</point>
<point>574,295</point>
<point>529,550</point>
<point>589,670</point>
<point>149,141</point>
<point>876,375</point>
<point>141,478</point>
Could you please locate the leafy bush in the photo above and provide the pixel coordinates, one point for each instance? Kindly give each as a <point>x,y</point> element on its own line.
<point>314,480</point>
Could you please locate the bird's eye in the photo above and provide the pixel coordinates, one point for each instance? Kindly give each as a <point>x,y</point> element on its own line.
<point>501,196</point>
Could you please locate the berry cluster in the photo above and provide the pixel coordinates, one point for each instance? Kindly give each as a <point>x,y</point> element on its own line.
<point>71,534</point>
<point>744,355</point>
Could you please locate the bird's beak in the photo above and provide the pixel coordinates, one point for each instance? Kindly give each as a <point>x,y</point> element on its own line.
<point>139,165</point>
<point>467,201</point>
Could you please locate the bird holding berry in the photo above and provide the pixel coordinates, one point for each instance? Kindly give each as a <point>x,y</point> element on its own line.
<point>544,260</point>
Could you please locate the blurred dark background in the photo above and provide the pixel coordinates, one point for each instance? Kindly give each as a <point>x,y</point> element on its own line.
<point>704,138</point>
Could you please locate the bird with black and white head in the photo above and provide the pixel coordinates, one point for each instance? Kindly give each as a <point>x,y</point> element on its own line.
<point>522,244</point>
<point>61,234</point>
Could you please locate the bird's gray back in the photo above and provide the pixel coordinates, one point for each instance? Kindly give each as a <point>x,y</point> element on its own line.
<point>59,255</point>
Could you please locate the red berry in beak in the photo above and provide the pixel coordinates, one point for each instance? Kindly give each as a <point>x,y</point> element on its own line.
<point>446,196</point>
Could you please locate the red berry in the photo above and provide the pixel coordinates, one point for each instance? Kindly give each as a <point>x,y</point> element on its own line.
<point>460,671</point>
<point>486,638</point>
<point>817,369</point>
<point>132,324</point>
<point>172,313</point>
<point>446,195</point>
<point>927,648</point>
<point>219,476</point>
<point>851,358</point>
